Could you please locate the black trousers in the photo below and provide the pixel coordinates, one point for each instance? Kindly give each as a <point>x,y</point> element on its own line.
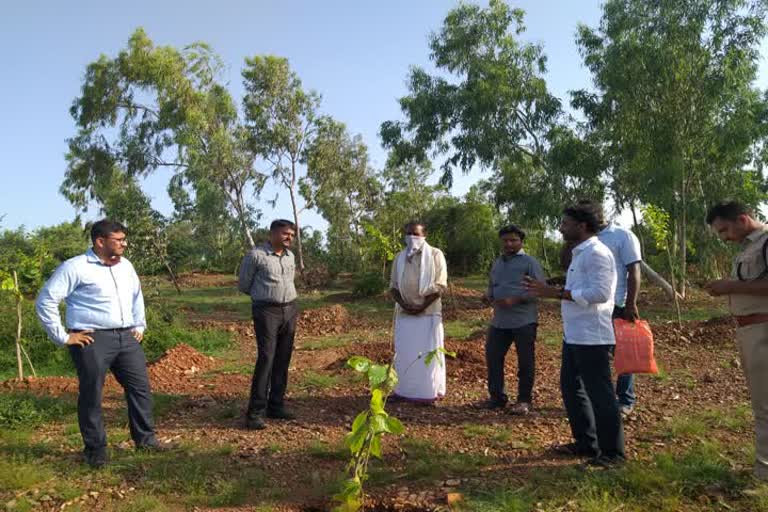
<point>496,347</point>
<point>590,401</point>
<point>116,350</point>
<point>275,327</point>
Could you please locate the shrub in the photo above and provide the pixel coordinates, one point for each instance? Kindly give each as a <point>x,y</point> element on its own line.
<point>368,284</point>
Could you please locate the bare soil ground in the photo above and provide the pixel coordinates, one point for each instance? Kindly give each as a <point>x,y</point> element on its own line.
<point>303,458</point>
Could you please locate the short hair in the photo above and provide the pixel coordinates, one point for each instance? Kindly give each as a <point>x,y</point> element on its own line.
<point>512,229</point>
<point>727,210</point>
<point>280,224</point>
<point>415,223</point>
<point>589,213</point>
<point>104,228</point>
<point>598,207</point>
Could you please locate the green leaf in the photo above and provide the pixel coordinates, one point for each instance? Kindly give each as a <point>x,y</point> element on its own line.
<point>392,378</point>
<point>359,363</point>
<point>359,422</point>
<point>7,284</point>
<point>355,440</point>
<point>430,357</point>
<point>394,425</point>
<point>379,424</point>
<point>377,374</point>
<point>376,446</point>
<point>377,401</point>
<point>448,353</point>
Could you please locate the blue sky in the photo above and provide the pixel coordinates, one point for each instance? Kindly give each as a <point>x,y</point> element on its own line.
<point>356,54</point>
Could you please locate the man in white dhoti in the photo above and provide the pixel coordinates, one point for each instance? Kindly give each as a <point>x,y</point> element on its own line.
<point>419,278</point>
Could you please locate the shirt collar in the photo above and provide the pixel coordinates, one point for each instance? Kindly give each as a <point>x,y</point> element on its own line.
<point>589,242</point>
<point>518,253</point>
<point>92,257</point>
<point>754,235</point>
<point>271,250</point>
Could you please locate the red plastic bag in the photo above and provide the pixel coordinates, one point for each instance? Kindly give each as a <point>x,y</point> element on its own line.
<point>634,347</point>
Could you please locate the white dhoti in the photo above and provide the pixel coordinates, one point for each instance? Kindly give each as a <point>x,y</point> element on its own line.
<point>415,337</point>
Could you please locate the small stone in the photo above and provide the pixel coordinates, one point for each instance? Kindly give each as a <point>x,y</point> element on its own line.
<point>452,483</point>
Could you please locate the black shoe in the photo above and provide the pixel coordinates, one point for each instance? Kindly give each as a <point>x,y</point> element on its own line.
<point>255,423</point>
<point>96,459</point>
<point>573,450</point>
<point>493,404</point>
<point>604,462</point>
<point>280,414</point>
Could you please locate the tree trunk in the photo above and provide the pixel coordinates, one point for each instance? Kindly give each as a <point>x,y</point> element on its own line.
<point>659,281</point>
<point>19,362</point>
<point>683,244</point>
<point>544,247</point>
<point>299,250</point>
<point>167,265</point>
<point>637,229</point>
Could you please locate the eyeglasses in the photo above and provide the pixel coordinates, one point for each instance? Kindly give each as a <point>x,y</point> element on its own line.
<point>120,241</point>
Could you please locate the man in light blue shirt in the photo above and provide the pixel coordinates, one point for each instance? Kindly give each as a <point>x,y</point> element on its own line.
<point>625,248</point>
<point>587,310</point>
<point>105,326</point>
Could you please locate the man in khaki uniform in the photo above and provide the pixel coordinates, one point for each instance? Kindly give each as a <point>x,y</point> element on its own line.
<point>747,293</point>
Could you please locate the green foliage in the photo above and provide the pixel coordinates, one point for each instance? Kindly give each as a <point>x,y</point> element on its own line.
<point>465,230</point>
<point>165,332</point>
<point>364,438</point>
<point>343,188</point>
<point>27,410</point>
<point>676,113</point>
<point>282,122</point>
<point>488,105</point>
<point>186,120</point>
<point>369,284</point>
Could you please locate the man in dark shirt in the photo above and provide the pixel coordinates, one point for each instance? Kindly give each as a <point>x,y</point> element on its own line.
<point>266,274</point>
<point>515,319</point>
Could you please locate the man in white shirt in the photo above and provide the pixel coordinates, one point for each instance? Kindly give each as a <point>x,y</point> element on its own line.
<point>625,248</point>
<point>587,309</point>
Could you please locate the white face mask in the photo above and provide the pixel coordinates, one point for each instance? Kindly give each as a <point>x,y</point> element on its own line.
<point>414,243</point>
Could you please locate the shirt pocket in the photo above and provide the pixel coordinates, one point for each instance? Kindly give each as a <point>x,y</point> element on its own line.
<point>749,267</point>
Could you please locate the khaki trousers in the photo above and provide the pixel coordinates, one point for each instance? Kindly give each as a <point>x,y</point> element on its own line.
<point>753,346</point>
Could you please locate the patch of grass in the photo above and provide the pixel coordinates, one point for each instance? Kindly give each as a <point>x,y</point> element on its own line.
<point>163,404</point>
<point>312,380</point>
<point>463,329</point>
<point>737,419</point>
<point>164,336</point>
<point>326,451</point>
<point>668,483</point>
<point>424,461</point>
<point>202,478</point>
<point>475,282</point>
<point>210,300</point>
<point>28,410</point>
<point>662,375</point>
<point>686,426</point>
<point>18,475</point>
<point>508,500</point>
<point>326,342</point>
<point>142,504</point>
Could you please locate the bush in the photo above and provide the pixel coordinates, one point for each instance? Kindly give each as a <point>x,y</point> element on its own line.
<point>368,284</point>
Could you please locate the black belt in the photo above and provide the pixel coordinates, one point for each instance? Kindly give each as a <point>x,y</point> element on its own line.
<point>262,303</point>
<point>116,329</point>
